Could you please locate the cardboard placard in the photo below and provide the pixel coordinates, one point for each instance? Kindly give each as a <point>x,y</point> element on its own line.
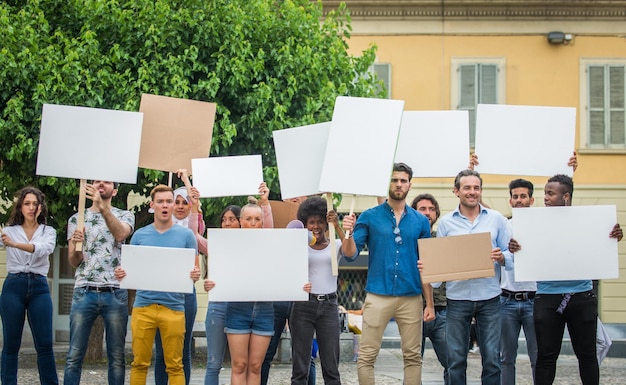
<point>158,268</point>
<point>283,213</point>
<point>456,257</point>
<point>89,143</point>
<point>174,132</point>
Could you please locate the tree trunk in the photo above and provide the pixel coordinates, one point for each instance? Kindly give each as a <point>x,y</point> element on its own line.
<point>96,342</point>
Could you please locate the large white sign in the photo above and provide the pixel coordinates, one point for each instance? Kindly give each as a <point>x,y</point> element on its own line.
<point>434,143</point>
<point>158,268</point>
<point>89,143</point>
<point>361,146</point>
<point>299,156</point>
<point>542,136</point>
<point>258,264</point>
<point>227,176</point>
<point>565,243</point>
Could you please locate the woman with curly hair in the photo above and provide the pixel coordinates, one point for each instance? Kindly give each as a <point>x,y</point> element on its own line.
<point>319,316</point>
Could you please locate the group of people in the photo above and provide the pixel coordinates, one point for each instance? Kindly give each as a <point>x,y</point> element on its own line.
<point>444,313</point>
<point>160,319</point>
<point>499,305</point>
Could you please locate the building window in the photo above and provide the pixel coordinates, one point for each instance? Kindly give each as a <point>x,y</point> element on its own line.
<point>476,81</point>
<point>383,72</point>
<point>605,106</point>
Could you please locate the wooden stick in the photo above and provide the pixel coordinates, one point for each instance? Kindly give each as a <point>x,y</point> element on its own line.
<point>81,210</point>
<point>331,237</point>
<point>353,197</point>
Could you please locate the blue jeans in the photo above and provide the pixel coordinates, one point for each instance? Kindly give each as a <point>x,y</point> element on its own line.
<point>435,330</point>
<point>320,319</point>
<point>580,315</point>
<point>27,293</point>
<point>282,311</point>
<point>215,341</point>
<point>516,314</point>
<point>488,326</point>
<point>160,375</point>
<point>86,306</point>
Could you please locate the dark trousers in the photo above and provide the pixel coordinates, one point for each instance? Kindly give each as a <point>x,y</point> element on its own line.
<point>580,316</point>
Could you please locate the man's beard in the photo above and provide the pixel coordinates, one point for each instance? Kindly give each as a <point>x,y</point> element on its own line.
<point>394,195</point>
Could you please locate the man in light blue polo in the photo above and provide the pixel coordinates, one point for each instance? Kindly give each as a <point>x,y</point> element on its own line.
<point>475,298</point>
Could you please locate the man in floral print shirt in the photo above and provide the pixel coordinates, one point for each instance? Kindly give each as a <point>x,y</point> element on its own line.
<point>96,291</point>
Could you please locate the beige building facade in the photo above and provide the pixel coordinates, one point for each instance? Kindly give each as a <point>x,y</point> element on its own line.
<point>447,55</point>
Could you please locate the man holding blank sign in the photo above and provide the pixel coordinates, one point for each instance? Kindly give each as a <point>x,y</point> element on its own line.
<point>97,291</point>
<point>394,287</point>
<point>565,302</point>
<point>479,297</point>
<point>156,310</point>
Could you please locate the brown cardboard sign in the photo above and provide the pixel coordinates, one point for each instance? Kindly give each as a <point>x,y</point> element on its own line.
<point>283,213</point>
<point>456,257</point>
<point>174,132</point>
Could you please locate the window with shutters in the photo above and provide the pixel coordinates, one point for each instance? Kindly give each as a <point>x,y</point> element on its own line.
<point>603,95</point>
<point>383,72</point>
<point>476,81</point>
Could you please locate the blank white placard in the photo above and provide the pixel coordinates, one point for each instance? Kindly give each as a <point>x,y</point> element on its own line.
<point>565,243</point>
<point>299,157</point>
<point>157,268</point>
<point>361,146</point>
<point>258,264</point>
<point>89,143</point>
<point>434,143</point>
<point>227,176</point>
<point>542,136</point>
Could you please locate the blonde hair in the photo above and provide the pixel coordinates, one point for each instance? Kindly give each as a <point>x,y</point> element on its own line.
<point>160,188</point>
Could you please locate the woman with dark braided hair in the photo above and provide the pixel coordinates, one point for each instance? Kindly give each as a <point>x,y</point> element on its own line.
<point>28,242</point>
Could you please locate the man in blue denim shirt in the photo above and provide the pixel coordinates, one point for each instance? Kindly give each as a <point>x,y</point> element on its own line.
<point>480,297</point>
<point>394,287</point>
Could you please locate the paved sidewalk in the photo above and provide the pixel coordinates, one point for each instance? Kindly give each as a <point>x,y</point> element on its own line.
<point>388,371</point>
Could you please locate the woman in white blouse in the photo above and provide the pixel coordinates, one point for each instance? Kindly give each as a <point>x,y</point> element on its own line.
<point>28,242</point>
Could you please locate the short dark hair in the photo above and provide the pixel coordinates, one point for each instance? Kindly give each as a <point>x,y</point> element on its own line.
<point>457,180</point>
<point>160,188</point>
<point>521,183</point>
<point>314,206</point>
<point>427,197</point>
<point>403,167</point>
<point>16,217</point>
<point>565,181</point>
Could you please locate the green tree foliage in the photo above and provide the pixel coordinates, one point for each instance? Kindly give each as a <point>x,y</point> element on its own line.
<point>267,64</point>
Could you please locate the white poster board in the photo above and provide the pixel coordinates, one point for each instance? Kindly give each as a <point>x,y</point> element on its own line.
<point>227,176</point>
<point>361,146</point>
<point>565,243</point>
<point>434,143</point>
<point>157,268</point>
<point>299,157</point>
<point>89,143</point>
<point>258,264</point>
<point>542,136</point>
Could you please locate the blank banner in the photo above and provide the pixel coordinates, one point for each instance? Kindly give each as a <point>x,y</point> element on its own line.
<point>565,243</point>
<point>158,268</point>
<point>258,264</point>
<point>227,176</point>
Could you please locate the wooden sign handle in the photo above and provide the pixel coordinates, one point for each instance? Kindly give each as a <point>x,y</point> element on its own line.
<point>81,211</point>
<point>331,236</point>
